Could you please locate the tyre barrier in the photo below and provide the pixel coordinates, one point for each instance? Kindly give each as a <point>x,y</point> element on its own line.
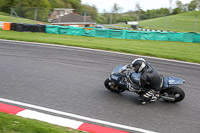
<point>21,27</point>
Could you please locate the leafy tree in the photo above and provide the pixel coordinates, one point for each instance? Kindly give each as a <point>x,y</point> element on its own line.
<point>115,13</point>
<point>75,4</point>
<point>56,4</point>
<point>90,11</point>
<point>193,5</point>
<point>32,3</point>
<point>106,17</point>
<point>28,8</point>
<point>116,8</point>
<point>179,4</point>
<point>124,18</point>
<point>132,15</point>
<point>177,11</point>
<point>100,19</point>
<point>5,5</point>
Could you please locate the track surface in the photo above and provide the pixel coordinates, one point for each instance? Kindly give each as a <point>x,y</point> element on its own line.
<point>71,80</point>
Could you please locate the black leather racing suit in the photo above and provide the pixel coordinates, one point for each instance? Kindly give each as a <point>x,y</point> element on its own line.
<point>151,81</point>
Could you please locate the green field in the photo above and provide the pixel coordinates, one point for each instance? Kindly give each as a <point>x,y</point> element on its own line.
<point>15,124</point>
<point>171,50</point>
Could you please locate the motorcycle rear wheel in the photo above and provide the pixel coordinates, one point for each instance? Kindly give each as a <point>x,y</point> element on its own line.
<point>174,92</point>
<point>110,85</point>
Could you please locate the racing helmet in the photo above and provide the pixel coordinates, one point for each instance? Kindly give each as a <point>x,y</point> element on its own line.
<point>138,64</point>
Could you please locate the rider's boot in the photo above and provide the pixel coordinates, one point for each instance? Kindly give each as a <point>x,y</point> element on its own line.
<point>142,100</point>
<point>155,98</point>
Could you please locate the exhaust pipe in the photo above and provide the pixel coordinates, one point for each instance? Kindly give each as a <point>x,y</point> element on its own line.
<point>168,98</point>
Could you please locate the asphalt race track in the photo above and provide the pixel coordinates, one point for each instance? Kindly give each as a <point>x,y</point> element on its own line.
<point>71,80</point>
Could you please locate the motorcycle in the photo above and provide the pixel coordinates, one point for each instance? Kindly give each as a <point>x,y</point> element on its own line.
<point>123,78</point>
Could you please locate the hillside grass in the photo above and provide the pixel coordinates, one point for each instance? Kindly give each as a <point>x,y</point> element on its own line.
<point>185,22</point>
<point>15,124</point>
<point>184,51</point>
<point>5,17</point>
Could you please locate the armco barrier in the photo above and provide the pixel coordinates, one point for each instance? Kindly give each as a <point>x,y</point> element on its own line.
<point>147,35</point>
<point>161,36</point>
<point>133,34</point>
<point>53,29</point>
<point>76,31</point>
<point>64,30</point>
<point>102,33</point>
<point>68,30</point>
<point>118,34</point>
<point>188,37</point>
<point>108,33</point>
<point>90,33</point>
<point>177,37</point>
<point>196,37</point>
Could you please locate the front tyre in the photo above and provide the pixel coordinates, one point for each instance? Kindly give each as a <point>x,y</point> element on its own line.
<point>110,85</point>
<point>175,93</point>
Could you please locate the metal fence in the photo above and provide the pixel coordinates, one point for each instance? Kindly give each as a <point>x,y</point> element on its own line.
<point>29,15</point>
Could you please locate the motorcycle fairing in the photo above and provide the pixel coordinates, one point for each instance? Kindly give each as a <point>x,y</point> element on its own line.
<point>172,81</point>
<point>135,77</point>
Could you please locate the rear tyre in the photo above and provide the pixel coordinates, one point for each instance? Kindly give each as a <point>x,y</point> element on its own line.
<point>175,93</point>
<point>110,85</point>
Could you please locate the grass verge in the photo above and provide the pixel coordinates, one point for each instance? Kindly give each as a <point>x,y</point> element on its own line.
<point>15,124</point>
<point>171,50</point>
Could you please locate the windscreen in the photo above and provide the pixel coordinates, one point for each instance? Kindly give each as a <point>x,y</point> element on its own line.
<point>118,69</point>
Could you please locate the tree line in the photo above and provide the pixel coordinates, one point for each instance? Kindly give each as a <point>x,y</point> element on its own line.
<point>26,8</point>
<point>47,6</point>
<point>139,14</point>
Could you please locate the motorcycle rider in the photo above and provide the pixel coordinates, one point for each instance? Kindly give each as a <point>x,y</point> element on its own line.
<point>150,80</point>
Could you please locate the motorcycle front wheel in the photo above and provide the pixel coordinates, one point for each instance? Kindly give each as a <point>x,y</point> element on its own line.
<point>173,94</point>
<point>110,85</point>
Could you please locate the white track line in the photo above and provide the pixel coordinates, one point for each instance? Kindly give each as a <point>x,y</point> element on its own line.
<point>50,119</point>
<point>77,116</point>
